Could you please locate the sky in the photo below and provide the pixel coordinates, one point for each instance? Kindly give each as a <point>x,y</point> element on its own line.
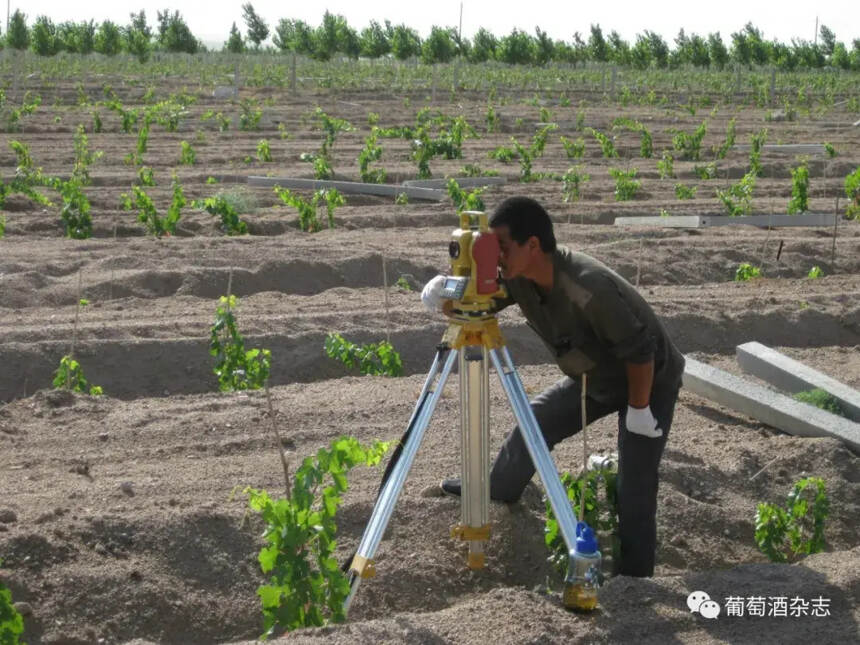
<point>211,23</point>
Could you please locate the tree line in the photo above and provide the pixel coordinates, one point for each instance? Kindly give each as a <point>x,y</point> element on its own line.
<point>335,37</point>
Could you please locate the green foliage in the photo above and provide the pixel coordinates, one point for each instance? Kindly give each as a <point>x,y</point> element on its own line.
<point>573,149</point>
<point>187,156</point>
<point>308,220</point>
<point>689,145</point>
<point>780,532</point>
<point>331,126</point>
<point>799,202</point>
<point>814,273</point>
<point>474,170</point>
<point>738,198</point>
<point>625,184</point>
<point>492,120</point>
<point>666,165</point>
<point>371,152</point>
<point>83,157</point>
<point>685,192</point>
<point>706,172</point>
<point>148,215</point>
<point>821,399</point>
<point>305,586</point>
<point>852,192</point>
<point>403,283</point>
<point>142,138</point>
<point>146,176</point>
<point>464,201</point>
<point>2,226</point>
<point>70,376</point>
<point>263,152</point>
<point>235,367</point>
<point>11,622</point>
<point>374,359</point>
<point>746,272</point>
<point>28,177</point>
<point>757,141</point>
<point>572,181</point>
<point>12,116</point>
<point>607,146</point>
<point>220,205</point>
<point>402,199</point>
<point>729,142</point>
<point>250,116</point>
<point>601,514</point>
<point>830,150</point>
<point>322,167</point>
<point>503,154</point>
<point>77,220</point>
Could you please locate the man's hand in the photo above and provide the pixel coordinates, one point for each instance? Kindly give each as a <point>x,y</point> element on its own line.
<point>431,295</point>
<point>642,421</point>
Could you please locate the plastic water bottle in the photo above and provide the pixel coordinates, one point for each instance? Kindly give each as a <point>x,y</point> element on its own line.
<point>584,573</point>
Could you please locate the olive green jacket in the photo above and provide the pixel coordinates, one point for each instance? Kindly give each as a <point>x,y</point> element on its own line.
<point>594,321</point>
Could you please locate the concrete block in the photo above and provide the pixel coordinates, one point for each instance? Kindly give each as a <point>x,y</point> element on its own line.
<point>350,187</point>
<point>776,410</point>
<point>707,221</point>
<point>793,376</point>
<point>463,182</point>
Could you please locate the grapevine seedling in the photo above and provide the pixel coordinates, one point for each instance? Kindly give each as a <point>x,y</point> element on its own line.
<point>799,202</point>
<point>464,201</point>
<point>371,152</point>
<point>308,220</point>
<point>235,367</point>
<point>607,147</point>
<point>573,149</point>
<point>685,192</point>
<point>852,192</point>
<point>373,359</point>
<point>814,273</point>
<point>573,180</point>
<point>600,514</point>
<point>779,532</point>
<point>689,145</point>
<point>187,156</point>
<point>11,622</point>
<point>263,152</point>
<point>746,272</point>
<point>305,586</point>
<point>625,183</point>
<point>70,376</point>
<point>666,165</point>
<point>738,198</point>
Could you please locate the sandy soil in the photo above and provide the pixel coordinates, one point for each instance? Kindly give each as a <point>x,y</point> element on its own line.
<point>117,523</point>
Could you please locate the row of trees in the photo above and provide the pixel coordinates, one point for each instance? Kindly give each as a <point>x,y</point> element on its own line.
<point>334,36</point>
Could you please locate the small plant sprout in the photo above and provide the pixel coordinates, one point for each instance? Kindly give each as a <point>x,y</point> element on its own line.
<point>305,587</point>
<point>625,183</point>
<point>235,367</point>
<point>685,192</point>
<point>371,152</point>
<point>607,146</point>
<point>249,118</point>
<point>830,150</point>
<point>746,272</point>
<point>187,156</point>
<point>821,399</point>
<point>689,145</point>
<point>403,283</point>
<point>464,201</point>
<point>666,165</point>
<point>815,272</point>
<point>572,182</point>
<point>70,376</point>
<point>146,176</point>
<point>781,533</point>
<point>738,198</point>
<point>379,359</point>
<point>852,192</point>
<point>263,152</point>
<point>219,205</point>
<point>307,209</point>
<point>573,149</point>
<point>757,141</point>
<point>799,202</point>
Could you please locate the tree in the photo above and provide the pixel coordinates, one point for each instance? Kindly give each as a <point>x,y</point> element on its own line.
<point>108,39</point>
<point>483,47</point>
<point>405,42</point>
<point>619,50</point>
<point>374,40</point>
<point>18,35</point>
<point>43,37</point>
<point>295,36</point>
<point>517,48</point>
<point>258,30</point>
<point>438,47</point>
<point>597,45</point>
<point>235,44</point>
<point>828,40</point>
<point>138,36</point>
<point>544,47</point>
<point>717,52</point>
<point>174,34</point>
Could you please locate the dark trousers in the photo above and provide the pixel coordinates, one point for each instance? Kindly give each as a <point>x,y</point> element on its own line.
<point>559,413</point>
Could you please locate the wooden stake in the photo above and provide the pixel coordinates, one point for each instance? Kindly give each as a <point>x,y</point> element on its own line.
<point>385,291</point>
<point>835,232</point>
<point>584,447</point>
<point>638,262</point>
<point>274,428</point>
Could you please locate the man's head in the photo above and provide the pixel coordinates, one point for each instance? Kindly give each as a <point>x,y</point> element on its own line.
<point>525,235</point>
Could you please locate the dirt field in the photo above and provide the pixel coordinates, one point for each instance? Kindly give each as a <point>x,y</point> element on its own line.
<point>117,522</point>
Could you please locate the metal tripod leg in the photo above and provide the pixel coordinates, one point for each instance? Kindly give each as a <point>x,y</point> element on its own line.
<point>536,444</point>
<point>362,563</point>
<point>474,452</point>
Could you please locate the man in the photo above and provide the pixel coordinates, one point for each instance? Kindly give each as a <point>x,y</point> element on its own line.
<point>594,322</point>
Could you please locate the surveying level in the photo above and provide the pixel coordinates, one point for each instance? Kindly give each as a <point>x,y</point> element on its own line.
<point>471,338</point>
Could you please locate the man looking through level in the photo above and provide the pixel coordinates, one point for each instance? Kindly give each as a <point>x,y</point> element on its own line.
<point>594,322</point>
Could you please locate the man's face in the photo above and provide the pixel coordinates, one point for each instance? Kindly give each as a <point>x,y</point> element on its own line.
<point>514,259</point>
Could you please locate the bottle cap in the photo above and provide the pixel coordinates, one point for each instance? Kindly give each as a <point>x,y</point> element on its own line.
<point>586,544</point>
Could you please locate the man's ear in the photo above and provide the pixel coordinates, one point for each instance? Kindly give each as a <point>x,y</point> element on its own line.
<point>534,243</point>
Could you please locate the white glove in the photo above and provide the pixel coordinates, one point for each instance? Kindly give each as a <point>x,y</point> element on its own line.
<point>431,295</point>
<point>641,421</point>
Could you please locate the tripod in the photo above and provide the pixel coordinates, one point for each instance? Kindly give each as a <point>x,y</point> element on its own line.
<point>471,338</point>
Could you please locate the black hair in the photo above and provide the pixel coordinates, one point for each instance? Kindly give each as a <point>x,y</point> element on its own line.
<point>525,217</point>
